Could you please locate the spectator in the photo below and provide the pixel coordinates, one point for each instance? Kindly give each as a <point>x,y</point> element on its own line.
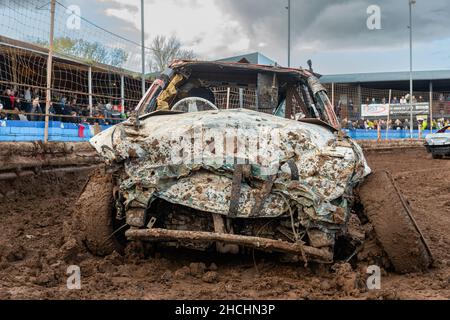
<point>337,110</point>
<point>350,125</point>
<point>424,125</point>
<point>15,114</point>
<point>366,125</point>
<point>36,109</point>
<point>75,117</point>
<point>406,125</point>
<point>394,101</point>
<point>74,107</point>
<point>85,112</point>
<point>68,110</point>
<point>8,103</point>
<point>51,111</point>
<point>389,125</point>
<point>57,107</point>
<point>2,114</point>
<point>63,108</point>
<point>108,110</point>
<point>22,117</point>
<point>27,100</point>
<point>398,124</point>
<point>434,124</point>
<point>361,124</point>
<point>374,101</point>
<point>403,100</point>
<point>351,108</point>
<point>99,109</point>
<point>27,95</point>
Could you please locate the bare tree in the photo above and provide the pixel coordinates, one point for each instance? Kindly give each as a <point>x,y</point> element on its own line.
<point>165,50</point>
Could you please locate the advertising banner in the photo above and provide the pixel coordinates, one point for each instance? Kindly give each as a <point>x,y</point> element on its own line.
<point>382,110</point>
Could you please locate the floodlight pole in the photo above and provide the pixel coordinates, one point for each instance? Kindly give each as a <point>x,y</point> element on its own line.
<point>143,47</point>
<point>289,33</point>
<point>48,97</point>
<point>411,87</point>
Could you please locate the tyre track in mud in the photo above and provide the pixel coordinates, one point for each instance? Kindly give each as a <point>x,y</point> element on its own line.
<point>36,247</point>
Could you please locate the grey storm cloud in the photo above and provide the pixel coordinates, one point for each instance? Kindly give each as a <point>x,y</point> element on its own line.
<point>339,24</point>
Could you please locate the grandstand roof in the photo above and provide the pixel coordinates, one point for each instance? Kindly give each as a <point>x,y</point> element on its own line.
<point>386,76</point>
<point>253,58</point>
<point>394,80</point>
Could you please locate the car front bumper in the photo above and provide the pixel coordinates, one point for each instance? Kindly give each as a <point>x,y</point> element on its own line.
<point>438,149</point>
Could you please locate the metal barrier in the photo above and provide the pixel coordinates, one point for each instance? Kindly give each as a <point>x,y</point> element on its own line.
<point>361,134</point>
<point>14,130</point>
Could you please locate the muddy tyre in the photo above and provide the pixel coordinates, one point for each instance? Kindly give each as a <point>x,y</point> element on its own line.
<point>394,225</point>
<point>95,216</point>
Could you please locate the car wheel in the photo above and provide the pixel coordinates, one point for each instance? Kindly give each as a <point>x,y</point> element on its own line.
<point>95,216</point>
<point>437,156</point>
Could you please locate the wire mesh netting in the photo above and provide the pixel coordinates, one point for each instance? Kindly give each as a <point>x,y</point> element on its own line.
<point>352,102</point>
<point>82,51</point>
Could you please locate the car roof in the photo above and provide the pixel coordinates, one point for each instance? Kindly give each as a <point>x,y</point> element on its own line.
<point>236,68</point>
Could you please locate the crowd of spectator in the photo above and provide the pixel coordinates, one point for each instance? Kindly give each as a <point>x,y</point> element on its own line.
<point>397,124</point>
<point>394,124</point>
<point>30,105</point>
<point>395,100</point>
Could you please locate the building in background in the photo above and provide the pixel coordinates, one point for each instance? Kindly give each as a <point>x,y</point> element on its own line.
<point>253,58</point>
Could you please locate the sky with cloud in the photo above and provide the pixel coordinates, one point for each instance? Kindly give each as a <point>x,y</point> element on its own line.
<point>333,33</point>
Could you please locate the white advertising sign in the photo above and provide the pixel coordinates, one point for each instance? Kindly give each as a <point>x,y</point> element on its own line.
<point>382,110</point>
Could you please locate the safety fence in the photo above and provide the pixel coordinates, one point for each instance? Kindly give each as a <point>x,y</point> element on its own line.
<point>84,87</point>
<point>91,67</point>
<point>353,102</point>
<point>361,134</point>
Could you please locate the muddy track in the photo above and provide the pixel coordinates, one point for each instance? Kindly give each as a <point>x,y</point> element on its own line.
<point>37,246</point>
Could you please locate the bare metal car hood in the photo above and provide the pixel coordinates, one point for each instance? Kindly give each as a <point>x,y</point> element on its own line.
<point>328,166</point>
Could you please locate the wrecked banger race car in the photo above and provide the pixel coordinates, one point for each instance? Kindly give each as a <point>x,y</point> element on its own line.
<point>229,156</point>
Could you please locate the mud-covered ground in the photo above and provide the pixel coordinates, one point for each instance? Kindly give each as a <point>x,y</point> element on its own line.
<point>36,249</point>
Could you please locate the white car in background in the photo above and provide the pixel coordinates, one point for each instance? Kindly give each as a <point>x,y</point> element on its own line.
<point>438,144</point>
